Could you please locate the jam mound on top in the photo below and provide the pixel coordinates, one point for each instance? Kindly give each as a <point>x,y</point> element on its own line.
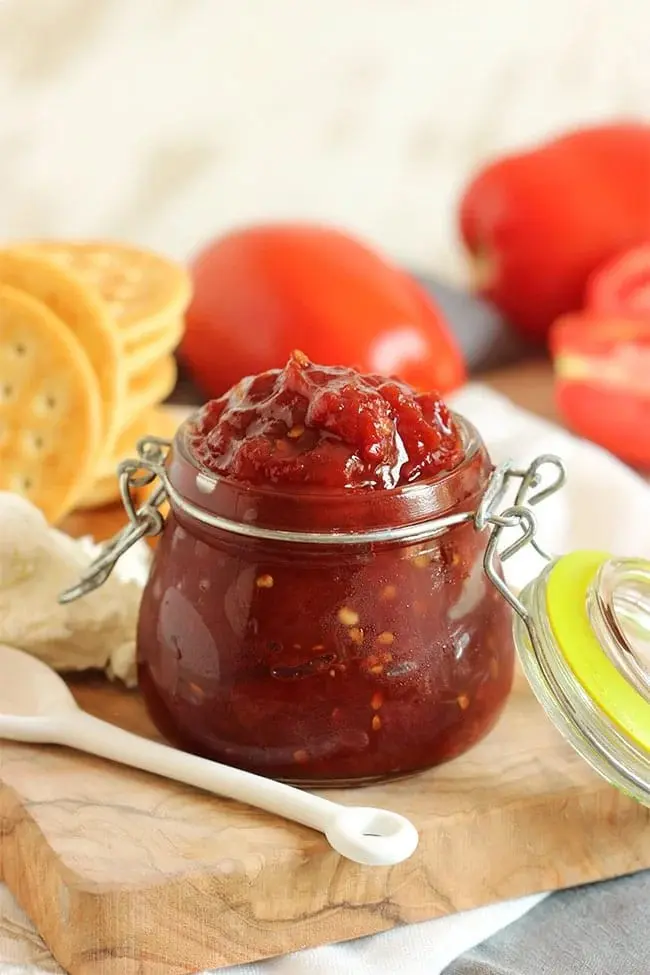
<point>325,426</point>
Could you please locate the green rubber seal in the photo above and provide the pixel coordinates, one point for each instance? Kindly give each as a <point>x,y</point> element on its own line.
<point>566,603</point>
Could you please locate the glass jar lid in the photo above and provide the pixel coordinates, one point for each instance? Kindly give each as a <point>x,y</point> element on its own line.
<point>583,639</point>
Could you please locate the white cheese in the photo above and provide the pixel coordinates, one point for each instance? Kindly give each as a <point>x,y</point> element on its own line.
<point>36,564</point>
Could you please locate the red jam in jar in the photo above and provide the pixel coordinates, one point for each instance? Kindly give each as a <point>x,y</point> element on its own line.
<point>277,633</point>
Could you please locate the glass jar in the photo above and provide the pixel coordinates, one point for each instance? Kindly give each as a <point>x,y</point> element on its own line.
<point>322,662</point>
<point>321,638</point>
<point>414,622</point>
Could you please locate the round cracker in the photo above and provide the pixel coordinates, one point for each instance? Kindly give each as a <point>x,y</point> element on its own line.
<point>157,421</point>
<point>106,492</point>
<point>139,355</point>
<point>50,406</point>
<point>140,288</point>
<point>82,310</point>
<point>102,492</point>
<point>160,421</point>
<point>149,387</point>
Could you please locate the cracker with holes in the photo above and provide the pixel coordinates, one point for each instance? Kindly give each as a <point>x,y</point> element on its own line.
<point>149,387</point>
<point>159,421</point>
<point>153,347</point>
<point>102,492</point>
<point>50,406</point>
<point>82,310</point>
<point>143,291</point>
<point>106,491</point>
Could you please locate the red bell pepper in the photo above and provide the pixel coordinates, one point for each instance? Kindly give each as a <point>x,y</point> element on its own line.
<point>602,382</point>
<point>539,222</point>
<point>622,285</point>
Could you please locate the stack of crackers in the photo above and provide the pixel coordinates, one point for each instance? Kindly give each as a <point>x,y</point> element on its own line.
<point>87,335</point>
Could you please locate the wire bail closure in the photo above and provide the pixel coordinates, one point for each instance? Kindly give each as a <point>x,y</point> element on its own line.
<point>145,521</point>
<point>520,515</point>
<point>148,521</point>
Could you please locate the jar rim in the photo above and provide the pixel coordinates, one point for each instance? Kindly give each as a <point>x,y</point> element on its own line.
<point>470,438</point>
<point>334,516</point>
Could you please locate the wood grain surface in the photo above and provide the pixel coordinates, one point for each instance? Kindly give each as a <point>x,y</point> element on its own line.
<point>123,872</point>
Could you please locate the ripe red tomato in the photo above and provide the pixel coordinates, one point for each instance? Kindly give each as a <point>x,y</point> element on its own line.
<point>263,291</point>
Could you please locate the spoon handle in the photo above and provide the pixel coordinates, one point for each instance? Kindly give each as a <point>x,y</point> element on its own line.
<point>89,734</point>
<point>370,836</point>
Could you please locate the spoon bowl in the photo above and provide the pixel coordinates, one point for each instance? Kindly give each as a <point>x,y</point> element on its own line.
<point>37,706</point>
<point>29,689</point>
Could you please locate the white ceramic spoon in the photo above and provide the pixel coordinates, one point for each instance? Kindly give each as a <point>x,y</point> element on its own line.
<point>36,706</point>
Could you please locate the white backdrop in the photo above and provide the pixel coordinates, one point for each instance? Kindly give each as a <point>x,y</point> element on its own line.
<point>168,120</point>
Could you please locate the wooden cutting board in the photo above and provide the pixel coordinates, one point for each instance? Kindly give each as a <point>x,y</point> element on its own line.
<point>123,873</point>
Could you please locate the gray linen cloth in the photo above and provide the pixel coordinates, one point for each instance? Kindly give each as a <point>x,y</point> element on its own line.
<point>599,929</point>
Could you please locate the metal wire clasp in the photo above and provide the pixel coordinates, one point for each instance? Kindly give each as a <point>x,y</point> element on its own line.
<point>539,481</point>
<point>144,521</point>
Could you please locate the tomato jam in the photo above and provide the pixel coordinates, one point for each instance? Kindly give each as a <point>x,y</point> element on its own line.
<point>339,659</point>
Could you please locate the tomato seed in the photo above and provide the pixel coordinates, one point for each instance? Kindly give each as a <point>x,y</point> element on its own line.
<point>348,616</point>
